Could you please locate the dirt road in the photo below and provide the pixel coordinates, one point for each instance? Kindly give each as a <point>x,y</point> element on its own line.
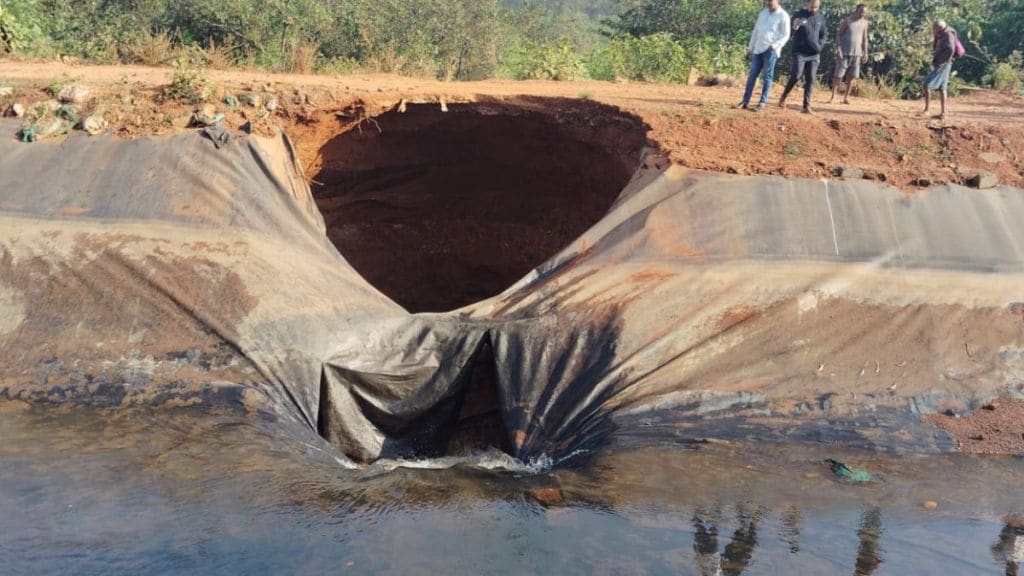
<point>886,140</point>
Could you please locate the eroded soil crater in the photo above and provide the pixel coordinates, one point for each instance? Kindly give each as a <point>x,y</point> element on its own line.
<point>443,209</point>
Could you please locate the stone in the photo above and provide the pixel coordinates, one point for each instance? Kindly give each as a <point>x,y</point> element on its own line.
<point>74,94</point>
<point>206,115</point>
<point>922,182</point>
<point>6,91</point>
<point>182,121</point>
<point>271,104</point>
<point>983,180</point>
<point>849,173</point>
<point>548,496</point>
<point>94,124</point>
<point>717,80</point>
<point>18,110</point>
<point>992,157</point>
<point>250,99</point>
<point>930,504</point>
<point>693,77</point>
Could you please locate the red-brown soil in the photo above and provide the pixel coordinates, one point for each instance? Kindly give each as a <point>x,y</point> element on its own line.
<point>440,210</point>
<point>694,125</point>
<point>997,428</point>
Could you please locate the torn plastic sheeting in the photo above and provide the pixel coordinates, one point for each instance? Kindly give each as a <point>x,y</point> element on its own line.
<point>166,272</point>
<point>799,291</point>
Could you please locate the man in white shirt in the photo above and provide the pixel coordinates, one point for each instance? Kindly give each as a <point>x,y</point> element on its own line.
<point>770,34</point>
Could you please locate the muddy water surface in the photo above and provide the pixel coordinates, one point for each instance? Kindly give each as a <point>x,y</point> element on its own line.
<point>85,492</point>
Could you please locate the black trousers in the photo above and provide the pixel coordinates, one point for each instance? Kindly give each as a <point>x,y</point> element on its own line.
<point>809,73</point>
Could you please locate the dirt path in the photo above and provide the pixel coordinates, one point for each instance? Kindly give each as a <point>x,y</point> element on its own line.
<point>694,125</point>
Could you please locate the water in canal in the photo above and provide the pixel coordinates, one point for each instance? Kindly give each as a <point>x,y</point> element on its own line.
<point>95,492</point>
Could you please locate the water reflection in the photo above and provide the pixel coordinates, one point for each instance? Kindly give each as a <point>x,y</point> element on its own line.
<point>113,495</point>
<point>738,553</point>
<point>792,520</point>
<point>1009,549</point>
<point>870,533</point>
<point>705,541</point>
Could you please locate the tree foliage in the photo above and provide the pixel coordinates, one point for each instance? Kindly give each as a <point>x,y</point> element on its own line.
<point>659,40</point>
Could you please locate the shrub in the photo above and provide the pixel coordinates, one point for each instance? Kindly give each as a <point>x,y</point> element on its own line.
<point>875,87</point>
<point>20,29</point>
<point>188,83</point>
<point>304,57</point>
<point>530,61</point>
<point>339,66</point>
<point>654,58</point>
<point>659,58</point>
<point>1007,76</point>
<point>149,49</point>
<point>217,56</point>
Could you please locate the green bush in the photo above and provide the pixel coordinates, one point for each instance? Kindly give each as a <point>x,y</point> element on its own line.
<point>659,58</point>
<point>20,29</point>
<point>529,61</point>
<point>1007,76</point>
<point>652,40</point>
<point>188,83</point>
<point>654,58</point>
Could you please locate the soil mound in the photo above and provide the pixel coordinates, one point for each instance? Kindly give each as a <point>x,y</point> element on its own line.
<point>442,209</point>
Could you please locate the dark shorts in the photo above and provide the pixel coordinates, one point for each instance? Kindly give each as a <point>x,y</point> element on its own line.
<point>848,68</point>
<point>938,79</point>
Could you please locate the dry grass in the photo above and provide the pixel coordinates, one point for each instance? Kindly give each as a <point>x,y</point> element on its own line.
<point>304,57</point>
<point>217,57</point>
<point>875,89</point>
<point>150,49</point>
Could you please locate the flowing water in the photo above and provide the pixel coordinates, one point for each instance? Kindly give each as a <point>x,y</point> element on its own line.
<point>96,492</point>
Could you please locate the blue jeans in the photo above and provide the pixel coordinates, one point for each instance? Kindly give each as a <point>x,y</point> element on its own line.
<point>761,64</point>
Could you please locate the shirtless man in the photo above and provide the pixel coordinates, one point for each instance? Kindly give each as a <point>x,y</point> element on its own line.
<point>851,51</point>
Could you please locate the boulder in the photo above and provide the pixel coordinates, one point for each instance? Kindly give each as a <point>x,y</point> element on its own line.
<point>849,173</point>
<point>983,180</point>
<point>74,94</point>
<point>206,115</point>
<point>94,124</point>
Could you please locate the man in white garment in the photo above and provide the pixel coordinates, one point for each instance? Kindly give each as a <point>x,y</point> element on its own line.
<point>770,34</point>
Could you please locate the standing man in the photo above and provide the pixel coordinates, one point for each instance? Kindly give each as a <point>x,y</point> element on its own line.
<point>770,34</point>
<point>808,40</point>
<point>943,50</point>
<point>851,51</point>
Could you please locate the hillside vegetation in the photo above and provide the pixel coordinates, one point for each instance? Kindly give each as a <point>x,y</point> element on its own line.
<point>648,40</point>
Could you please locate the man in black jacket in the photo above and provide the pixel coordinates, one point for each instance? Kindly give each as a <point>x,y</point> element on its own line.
<point>808,40</point>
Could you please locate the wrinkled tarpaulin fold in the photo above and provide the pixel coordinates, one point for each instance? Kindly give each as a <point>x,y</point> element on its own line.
<point>167,272</point>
